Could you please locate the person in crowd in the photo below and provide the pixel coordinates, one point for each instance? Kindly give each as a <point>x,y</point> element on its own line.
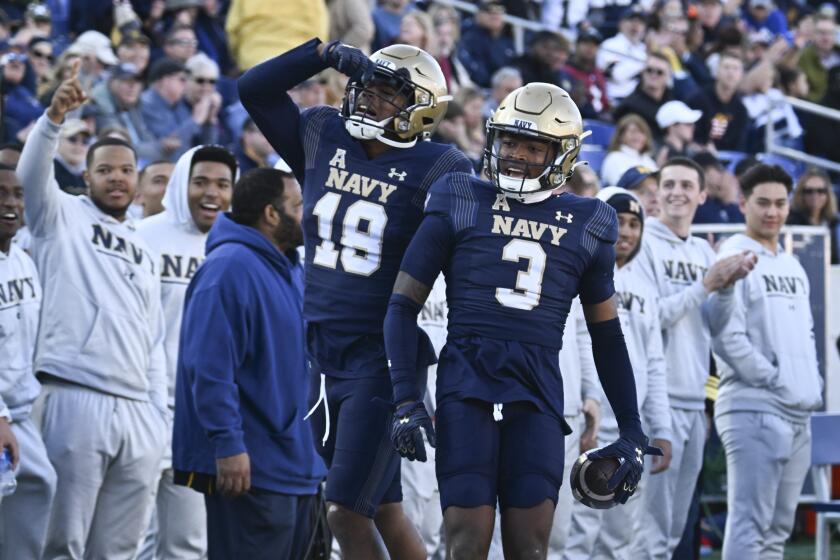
<point>770,382</point>
<point>200,189</point>
<point>713,17</point>
<point>815,204</point>
<point>253,27</point>
<point>351,22</point>
<point>59,72</point>
<point>134,48</point>
<point>484,47</point>
<point>682,271</point>
<point>118,103</point>
<point>817,58</point>
<point>630,145</point>
<point>387,18</point>
<point>253,150</point>
<point>725,122</point>
<point>765,106</point>
<point>761,15</point>
<point>504,81</point>
<point>418,30</point>
<point>622,57</point>
<point>643,182</point>
<point>203,77</point>
<point>167,114</point>
<point>100,354</point>
<point>39,51</point>
<point>20,107</point>
<point>310,93</point>
<point>564,14</point>
<point>794,82</point>
<point>10,154</point>
<point>24,515</point>
<point>543,62</point>
<point>97,56</point>
<point>151,186</point>
<point>652,93</point>
<point>676,120</point>
<point>448,30</point>
<point>37,22</point>
<point>588,85</point>
<point>239,436</point>
<point>180,43</point>
<point>70,158</point>
<point>722,195</point>
<point>584,182</point>
<point>818,128</point>
<point>609,534</point>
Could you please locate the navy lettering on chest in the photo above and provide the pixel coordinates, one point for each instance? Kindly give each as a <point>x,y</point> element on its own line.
<point>17,290</point>
<point>684,272</point>
<point>784,285</point>
<point>630,302</point>
<point>113,245</point>
<point>178,267</point>
<point>341,179</point>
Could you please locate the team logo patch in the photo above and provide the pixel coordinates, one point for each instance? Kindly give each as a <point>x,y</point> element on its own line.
<point>386,63</point>
<point>399,175</point>
<point>634,207</point>
<point>559,216</point>
<point>522,123</point>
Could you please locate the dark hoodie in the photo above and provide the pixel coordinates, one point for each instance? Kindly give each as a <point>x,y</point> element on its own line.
<point>242,380</point>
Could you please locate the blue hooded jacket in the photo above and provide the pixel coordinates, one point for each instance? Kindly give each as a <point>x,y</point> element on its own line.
<point>242,382</point>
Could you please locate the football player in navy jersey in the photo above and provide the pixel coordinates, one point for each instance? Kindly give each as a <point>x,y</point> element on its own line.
<point>365,171</point>
<point>514,256</point>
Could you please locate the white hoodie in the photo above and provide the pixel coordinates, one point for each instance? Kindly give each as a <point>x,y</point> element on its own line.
<point>674,268</point>
<point>173,235</point>
<point>102,325</point>
<point>767,348</point>
<point>577,365</point>
<point>20,304</point>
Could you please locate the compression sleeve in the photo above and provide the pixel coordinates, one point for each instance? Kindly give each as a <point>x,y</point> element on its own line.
<point>616,375</point>
<point>263,91</point>
<point>424,259</point>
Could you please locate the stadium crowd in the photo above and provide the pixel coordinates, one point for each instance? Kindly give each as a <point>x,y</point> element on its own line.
<point>695,81</point>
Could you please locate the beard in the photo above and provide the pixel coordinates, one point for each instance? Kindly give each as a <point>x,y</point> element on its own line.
<point>288,232</point>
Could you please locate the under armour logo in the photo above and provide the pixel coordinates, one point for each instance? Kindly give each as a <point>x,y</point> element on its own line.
<point>404,420</point>
<point>560,216</point>
<point>634,207</point>
<point>400,175</point>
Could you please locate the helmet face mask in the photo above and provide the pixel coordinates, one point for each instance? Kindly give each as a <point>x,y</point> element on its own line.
<point>404,102</point>
<point>535,112</point>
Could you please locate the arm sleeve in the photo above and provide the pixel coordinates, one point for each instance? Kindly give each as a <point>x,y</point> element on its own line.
<point>656,407</point>
<point>211,351</point>
<point>42,196</point>
<point>424,259</point>
<point>590,388</point>
<point>733,343</point>
<point>263,91</point>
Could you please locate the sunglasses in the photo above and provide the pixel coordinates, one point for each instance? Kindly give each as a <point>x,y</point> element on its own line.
<point>184,42</point>
<point>78,139</point>
<point>42,55</point>
<point>203,81</point>
<point>808,191</point>
<point>655,71</point>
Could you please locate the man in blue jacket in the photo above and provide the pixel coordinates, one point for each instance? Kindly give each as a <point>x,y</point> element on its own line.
<point>241,392</point>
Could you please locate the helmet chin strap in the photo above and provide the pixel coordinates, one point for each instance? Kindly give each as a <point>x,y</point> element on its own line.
<point>362,128</point>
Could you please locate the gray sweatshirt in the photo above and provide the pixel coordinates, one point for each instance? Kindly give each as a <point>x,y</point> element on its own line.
<point>102,325</point>
<point>20,305</point>
<point>766,344</point>
<point>577,366</point>
<point>674,268</point>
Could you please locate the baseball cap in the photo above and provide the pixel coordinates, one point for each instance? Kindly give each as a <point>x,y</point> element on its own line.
<point>12,57</point>
<point>124,71</point>
<point>94,42</point>
<point>590,34</point>
<point>72,127</point>
<point>634,176</point>
<point>491,6</point>
<point>634,11</point>
<point>129,36</point>
<point>38,12</point>
<point>676,112</point>
<point>622,201</point>
<point>767,4</point>
<point>165,67</point>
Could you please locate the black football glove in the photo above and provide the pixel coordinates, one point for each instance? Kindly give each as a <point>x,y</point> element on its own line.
<point>409,418</point>
<point>348,60</point>
<point>631,456</point>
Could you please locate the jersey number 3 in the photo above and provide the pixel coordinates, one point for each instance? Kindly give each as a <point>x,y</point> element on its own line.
<point>526,294</point>
<point>361,235</point>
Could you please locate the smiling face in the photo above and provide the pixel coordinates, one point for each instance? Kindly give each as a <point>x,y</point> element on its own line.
<point>766,210</point>
<point>629,235</point>
<point>522,157</point>
<point>209,192</point>
<point>152,187</point>
<point>112,179</point>
<point>11,207</point>
<point>679,194</point>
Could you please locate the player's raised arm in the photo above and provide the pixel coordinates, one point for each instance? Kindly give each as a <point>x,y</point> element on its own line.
<point>36,171</point>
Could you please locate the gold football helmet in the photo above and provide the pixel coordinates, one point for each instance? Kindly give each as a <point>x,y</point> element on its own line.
<point>414,75</point>
<point>536,111</point>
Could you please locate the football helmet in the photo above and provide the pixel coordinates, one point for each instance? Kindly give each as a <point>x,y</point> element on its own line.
<point>543,112</point>
<point>413,75</point>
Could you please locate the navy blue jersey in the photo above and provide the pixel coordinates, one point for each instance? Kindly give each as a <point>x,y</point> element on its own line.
<point>512,271</point>
<point>359,213</point>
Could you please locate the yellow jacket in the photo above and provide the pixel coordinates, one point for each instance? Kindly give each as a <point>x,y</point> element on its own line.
<point>261,29</point>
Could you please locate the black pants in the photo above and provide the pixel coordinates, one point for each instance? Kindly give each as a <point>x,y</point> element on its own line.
<point>259,525</point>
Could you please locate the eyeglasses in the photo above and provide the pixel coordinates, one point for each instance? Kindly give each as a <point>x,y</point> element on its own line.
<point>184,42</point>
<point>821,191</point>
<point>42,54</point>
<point>78,139</point>
<point>655,71</point>
<point>203,81</point>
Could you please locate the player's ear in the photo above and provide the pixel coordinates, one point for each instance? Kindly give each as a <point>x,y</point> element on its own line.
<point>86,178</point>
<point>270,215</point>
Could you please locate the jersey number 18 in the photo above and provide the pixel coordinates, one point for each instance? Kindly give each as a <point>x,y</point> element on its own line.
<point>361,235</point>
